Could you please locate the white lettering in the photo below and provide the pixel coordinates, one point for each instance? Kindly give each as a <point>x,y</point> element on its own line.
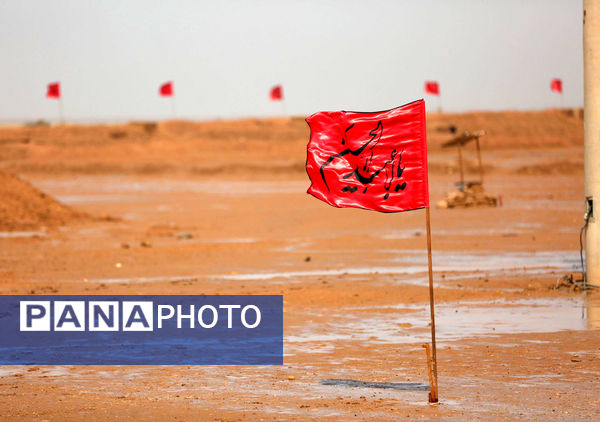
<point>256,310</point>
<point>201,319</point>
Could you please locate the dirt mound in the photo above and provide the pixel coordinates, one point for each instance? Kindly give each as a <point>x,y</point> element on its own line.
<point>248,146</point>
<point>263,130</point>
<point>556,167</point>
<point>23,207</point>
<point>511,129</point>
<point>450,166</point>
<point>471,196</point>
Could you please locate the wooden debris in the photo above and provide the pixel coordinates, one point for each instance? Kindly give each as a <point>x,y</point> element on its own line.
<point>472,195</point>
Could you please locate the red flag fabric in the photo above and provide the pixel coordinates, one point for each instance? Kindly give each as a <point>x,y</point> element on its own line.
<point>53,90</point>
<point>432,88</point>
<point>556,85</point>
<point>375,161</point>
<point>276,93</point>
<point>166,89</point>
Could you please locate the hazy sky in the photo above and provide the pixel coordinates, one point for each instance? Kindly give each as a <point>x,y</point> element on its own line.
<point>224,56</point>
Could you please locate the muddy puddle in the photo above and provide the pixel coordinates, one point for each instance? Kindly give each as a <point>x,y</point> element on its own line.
<point>230,240</point>
<point>402,386</point>
<point>454,321</point>
<point>415,262</point>
<point>549,204</point>
<point>22,234</point>
<point>411,268</point>
<point>505,230</point>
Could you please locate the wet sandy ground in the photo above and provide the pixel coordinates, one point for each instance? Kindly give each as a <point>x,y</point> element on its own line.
<point>355,299</point>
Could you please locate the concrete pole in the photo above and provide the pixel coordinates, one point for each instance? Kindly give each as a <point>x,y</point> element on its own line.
<point>591,72</point>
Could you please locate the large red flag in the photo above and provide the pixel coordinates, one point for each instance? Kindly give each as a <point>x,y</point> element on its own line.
<point>53,90</point>
<point>432,88</point>
<point>376,161</point>
<point>556,85</point>
<point>166,89</point>
<point>276,93</point>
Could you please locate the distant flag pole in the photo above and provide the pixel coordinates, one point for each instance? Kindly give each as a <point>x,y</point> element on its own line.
<point>166,90</point>
<point>433,88</point>
<point>375,161</point>
<point>556,85</point>
<point>276,94</point>
<point>53,93</point>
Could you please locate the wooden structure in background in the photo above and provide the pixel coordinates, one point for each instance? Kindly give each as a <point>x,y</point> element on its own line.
<point>460,141</point>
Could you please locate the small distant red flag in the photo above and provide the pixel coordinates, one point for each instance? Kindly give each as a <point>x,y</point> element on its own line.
<point>556,85</point>
<point>166,89</point>
<point>432,88</point>
<point>376,161</point>
<point>276,93</point>
<point>53,90</point>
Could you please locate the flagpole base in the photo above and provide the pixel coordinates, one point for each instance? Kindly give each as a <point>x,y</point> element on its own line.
<point>433,395</point>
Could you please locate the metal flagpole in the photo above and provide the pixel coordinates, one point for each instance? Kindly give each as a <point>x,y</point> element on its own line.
<point>433,395</point>
<point>173,105</point>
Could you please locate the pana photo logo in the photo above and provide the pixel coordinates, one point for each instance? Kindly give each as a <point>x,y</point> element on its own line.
<point>128,315</point>
<point>142,330</point>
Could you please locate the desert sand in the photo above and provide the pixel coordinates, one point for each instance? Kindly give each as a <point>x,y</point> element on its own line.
<point>220,207</point>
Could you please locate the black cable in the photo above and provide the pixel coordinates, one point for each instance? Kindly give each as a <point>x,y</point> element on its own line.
<point>584,228</point>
